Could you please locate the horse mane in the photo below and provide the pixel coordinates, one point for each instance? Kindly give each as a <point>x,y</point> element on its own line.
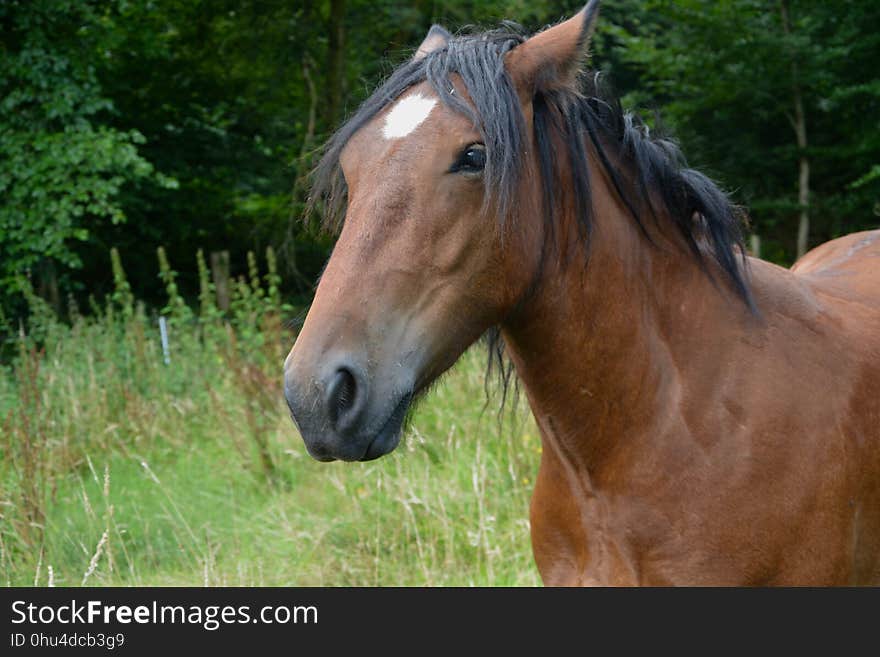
<point>647,170</point>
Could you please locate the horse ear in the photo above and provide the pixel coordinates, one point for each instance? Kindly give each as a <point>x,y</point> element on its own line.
<point>437,37</point>
<point>552,58</point>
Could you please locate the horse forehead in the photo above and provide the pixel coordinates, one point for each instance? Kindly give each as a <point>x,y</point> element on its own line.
<point>407,114</point>
<point>419,115</point>
<point>388,130</point>
<point>409,130</point>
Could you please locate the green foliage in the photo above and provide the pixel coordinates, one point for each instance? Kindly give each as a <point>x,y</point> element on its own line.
<point>122,296</point>
<point>135,124</point>
<point>722,74</point>
<point>61,166</point>
<point>117,469</point>
<point>128,125</point>
<point>208,310</point>
<point>871,176</point>
<point>176,308</point>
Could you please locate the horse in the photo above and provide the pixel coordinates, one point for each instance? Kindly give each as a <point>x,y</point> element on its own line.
<point>706,418</point>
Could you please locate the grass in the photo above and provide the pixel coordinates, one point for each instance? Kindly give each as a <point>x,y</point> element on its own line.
<point>117,469</point>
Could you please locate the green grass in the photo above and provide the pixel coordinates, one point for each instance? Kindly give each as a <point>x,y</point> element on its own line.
<point>117,469</point>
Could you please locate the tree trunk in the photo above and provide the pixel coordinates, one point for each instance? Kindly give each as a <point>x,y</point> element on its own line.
<point>803,191</point>
<point>335,61</point>
<point>47,283</point>
<point>799,123</point>
<point>755,245</point>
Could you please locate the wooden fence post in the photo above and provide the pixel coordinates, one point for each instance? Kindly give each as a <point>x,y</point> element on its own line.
<point>220,276</point>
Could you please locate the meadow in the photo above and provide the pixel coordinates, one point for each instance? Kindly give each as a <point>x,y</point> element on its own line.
<point>123,464</point>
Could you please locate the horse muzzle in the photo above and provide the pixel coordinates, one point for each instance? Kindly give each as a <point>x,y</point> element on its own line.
<point>345,412</point>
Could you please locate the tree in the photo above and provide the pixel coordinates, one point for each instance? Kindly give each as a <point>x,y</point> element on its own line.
<point>798,121</point>
<point>61,165</point>
<point>229,99</point>
<point>744,83</point>
<point>104,106</point>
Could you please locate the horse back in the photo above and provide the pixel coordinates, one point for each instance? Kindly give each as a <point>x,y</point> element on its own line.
<point>848,266</point>
<point>846,273</point>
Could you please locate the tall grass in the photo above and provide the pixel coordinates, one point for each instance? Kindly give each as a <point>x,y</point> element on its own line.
<point>119,469</point>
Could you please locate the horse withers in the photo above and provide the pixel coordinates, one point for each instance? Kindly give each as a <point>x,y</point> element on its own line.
<point>706,418</point>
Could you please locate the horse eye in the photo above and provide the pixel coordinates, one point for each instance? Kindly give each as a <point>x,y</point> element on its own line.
<point>471,160</point>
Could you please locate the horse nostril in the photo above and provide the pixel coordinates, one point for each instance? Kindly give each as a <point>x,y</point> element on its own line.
<point>341,395</point>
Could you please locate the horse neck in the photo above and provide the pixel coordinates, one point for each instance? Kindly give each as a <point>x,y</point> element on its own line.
<point>602,345</point>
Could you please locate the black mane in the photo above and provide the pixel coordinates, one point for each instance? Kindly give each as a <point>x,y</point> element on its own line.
<point>648,172</point>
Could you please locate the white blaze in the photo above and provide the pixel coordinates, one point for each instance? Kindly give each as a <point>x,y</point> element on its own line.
<point>407,115</point>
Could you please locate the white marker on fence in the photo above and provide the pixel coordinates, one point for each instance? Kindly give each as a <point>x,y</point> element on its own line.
<point>163,331</point>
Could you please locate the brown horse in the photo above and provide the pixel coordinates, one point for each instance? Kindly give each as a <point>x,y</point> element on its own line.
<point>706,418</point>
